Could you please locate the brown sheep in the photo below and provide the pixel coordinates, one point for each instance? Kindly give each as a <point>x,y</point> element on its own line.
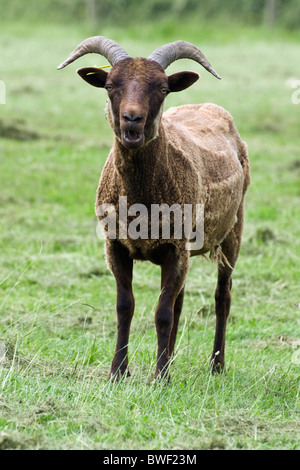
<point>190,156</point>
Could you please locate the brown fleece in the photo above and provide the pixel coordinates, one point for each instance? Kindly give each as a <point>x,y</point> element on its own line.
<point>191,155</point>
<point>198,157</point>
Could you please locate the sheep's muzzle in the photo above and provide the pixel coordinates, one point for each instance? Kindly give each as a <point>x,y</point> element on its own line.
<point>132,139</point>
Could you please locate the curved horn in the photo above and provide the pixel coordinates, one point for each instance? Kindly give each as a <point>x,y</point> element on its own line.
<point>111,50</point>
<point>168,53</point>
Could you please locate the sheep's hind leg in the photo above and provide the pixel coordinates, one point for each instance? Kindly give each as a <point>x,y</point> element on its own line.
<point>230,249</point>
<point>223,301</point>
<point>122,266</point>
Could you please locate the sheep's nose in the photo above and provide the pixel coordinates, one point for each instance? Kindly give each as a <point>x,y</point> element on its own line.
<point>132,117</point>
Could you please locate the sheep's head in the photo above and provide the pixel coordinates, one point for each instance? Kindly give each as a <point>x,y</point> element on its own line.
<point>136,92</point>
<point>137,87</point>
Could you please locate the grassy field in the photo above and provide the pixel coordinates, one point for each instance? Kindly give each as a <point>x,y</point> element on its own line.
<point>57,298</point>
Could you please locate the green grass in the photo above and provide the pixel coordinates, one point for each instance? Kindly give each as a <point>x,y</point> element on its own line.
<point>57,298</point>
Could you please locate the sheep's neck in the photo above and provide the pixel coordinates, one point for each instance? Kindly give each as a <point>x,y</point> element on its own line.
<point>143,169</point>
<point>141,162</point>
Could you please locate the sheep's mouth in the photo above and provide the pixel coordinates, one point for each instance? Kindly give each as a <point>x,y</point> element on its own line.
<point>133,139</point>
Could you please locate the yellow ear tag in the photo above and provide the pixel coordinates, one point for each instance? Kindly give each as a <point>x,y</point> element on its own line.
<point>102,67</point>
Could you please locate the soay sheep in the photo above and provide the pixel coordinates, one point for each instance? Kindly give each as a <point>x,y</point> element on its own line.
<point>189,156</point>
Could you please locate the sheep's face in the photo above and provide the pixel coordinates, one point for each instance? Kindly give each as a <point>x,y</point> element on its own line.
<point>136,90</point>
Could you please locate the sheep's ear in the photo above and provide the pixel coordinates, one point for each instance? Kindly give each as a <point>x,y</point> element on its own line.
<point>182,80</point>
<point>93,75</point>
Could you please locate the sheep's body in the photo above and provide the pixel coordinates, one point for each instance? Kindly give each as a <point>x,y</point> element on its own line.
<point>198,158</point>
<point>190,156</point>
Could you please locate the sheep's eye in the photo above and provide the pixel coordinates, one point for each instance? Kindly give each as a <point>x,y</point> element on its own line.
<point>164,91</point>
<point>108,87</point>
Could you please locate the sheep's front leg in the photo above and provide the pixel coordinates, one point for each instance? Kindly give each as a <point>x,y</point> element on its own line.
<point>177,312</point>
<point>174,270</point>
<point>121,266</point>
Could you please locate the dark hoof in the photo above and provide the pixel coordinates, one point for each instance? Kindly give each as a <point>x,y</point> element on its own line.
<point>217,366</point>
<point>162,376</point>
<point>117,375</point>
